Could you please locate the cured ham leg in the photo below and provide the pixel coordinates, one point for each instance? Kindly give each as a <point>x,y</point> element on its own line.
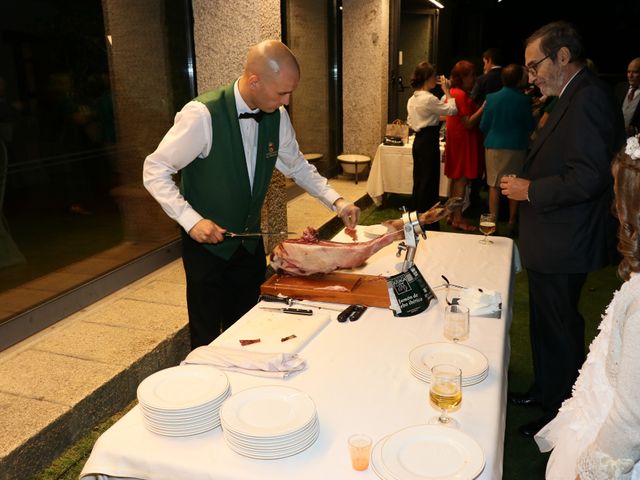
<point>309,254</point>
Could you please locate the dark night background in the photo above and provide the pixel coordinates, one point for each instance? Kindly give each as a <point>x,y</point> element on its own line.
<point>610,30</point>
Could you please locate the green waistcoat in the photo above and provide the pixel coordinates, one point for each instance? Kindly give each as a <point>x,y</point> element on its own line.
<point>217,186</point>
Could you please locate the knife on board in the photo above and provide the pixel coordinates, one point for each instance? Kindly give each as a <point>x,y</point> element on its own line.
<point>290,301</point>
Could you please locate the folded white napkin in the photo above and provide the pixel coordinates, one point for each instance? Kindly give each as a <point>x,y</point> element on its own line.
<point>479,302</point>
<point>274,365</point>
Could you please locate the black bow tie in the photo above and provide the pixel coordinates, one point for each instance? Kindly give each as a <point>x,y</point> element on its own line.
<point>256,116</point>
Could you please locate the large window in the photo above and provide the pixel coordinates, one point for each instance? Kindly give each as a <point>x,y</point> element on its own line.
<point>87,90</point>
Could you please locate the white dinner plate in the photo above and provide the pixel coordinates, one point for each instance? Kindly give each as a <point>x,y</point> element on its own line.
<point>429,452</point>
<point>466,381</point>
<point>268,448</point>
<point>275,440</point>
<point>427,374</point>
<point>179,420</point>
<point>268,411</point>
<point>272,455</point>
<point>181,432</point>
<point>184,424</point>
<point>375,231</point>
<point>182,387</point>
<point>176,416</point>
<point>376,461</point>
<point>469,360</point>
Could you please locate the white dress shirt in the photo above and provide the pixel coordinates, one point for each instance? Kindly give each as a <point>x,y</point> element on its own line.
<point>190,137</point>
<point>424,110</point>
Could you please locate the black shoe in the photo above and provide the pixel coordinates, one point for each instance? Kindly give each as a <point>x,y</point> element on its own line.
<point>531,428</point>
<point>522,399</point>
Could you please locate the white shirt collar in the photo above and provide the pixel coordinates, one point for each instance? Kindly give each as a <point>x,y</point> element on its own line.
<point>241,105</point>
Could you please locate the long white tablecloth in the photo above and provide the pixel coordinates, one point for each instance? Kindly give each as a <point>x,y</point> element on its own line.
<point>358,375</point>
<point>392,172</point>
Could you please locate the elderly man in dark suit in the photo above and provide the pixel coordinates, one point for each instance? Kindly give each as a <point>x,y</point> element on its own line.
<point>565,194</point>
<point>628,96</point>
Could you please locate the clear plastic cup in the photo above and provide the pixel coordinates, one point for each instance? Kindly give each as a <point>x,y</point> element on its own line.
<point>360,451</point>
<point>456,323</point>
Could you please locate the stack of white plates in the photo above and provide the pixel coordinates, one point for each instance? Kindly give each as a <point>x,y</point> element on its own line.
<point>426,452</point>
<point>269,422</point>
<point>474,365</point>
<point>185,400</point>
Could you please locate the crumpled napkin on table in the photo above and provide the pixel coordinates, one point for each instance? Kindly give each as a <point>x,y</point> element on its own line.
<point>479,302</point>
<point>274,365</point>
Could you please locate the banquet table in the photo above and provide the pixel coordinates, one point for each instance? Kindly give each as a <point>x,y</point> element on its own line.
<point>357,374</point>
<point>392,172</point>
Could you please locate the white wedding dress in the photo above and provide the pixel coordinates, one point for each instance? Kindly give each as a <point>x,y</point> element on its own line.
<point>589,430</point>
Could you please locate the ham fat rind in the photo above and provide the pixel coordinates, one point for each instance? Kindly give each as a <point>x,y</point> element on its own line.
<point>308,255</point>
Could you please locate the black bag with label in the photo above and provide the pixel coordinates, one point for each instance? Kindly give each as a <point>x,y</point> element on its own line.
<point>393,141</point>
<point>409,293</point>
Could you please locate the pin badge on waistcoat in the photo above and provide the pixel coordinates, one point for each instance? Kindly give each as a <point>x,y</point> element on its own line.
<point>271,150</point>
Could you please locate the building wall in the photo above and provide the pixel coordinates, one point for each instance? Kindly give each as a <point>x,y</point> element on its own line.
<point>223,33</point>
<point>365,44</point>
<point>307,38</point>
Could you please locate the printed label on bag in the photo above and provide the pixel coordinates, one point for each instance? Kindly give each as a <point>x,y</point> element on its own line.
<point>409,293</point>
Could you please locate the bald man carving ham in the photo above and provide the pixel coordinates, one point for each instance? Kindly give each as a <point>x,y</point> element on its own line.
<point>226,144</point>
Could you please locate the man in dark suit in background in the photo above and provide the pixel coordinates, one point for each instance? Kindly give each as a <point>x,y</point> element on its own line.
<point>628,96</point>
<point>566,225</point>
<point>490,81</point>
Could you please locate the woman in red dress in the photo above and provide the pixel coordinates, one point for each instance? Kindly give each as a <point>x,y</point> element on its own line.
<point>464,153</point>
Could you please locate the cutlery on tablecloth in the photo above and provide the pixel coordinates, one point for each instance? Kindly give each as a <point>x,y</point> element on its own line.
<point>290,301</point>
<point>292,311</point>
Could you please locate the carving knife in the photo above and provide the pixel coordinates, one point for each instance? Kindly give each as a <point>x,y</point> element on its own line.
<point>292,311</point>
<point>255,234</point>
<point>290,301</point>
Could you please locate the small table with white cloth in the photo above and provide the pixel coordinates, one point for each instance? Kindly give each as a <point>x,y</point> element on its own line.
<point>392,172</point>
<point>358,374</point>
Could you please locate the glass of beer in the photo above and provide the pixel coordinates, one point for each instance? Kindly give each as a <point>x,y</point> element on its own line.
<point>487,226</point>
<point>445,393</point>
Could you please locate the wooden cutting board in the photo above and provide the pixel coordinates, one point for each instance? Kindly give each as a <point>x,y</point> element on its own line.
<point>336,287</point>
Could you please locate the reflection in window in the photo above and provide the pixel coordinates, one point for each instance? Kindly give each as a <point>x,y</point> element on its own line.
<point>87,90</point>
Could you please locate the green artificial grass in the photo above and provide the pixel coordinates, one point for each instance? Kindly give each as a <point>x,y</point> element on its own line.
<point>522,460</point>
<point>69,465</point>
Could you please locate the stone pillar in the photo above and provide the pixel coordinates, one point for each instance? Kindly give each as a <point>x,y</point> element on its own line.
<point>307,35</point>
<point>143,111</point>
<point>224,32</point>
<point>365,46</point>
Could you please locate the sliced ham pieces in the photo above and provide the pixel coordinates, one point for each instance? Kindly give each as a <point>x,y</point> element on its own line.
<point>309,255</point>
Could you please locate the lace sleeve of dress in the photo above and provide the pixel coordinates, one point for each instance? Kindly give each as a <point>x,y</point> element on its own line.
<point>594,464</point>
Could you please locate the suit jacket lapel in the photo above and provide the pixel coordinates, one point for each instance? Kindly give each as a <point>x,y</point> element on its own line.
<point>556,114</point>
